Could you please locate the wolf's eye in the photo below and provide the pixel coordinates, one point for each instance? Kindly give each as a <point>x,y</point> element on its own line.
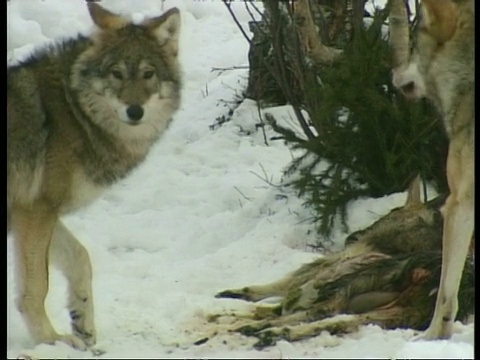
<point>117,74</point>
<point>148,74</point>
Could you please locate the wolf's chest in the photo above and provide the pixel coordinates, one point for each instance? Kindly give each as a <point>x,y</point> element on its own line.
<point>83,192</point>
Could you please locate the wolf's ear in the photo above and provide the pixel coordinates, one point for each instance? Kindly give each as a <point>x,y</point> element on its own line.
<point>439,19</point>
<point>413,195</point>
<point>166,28</point>
<point>104,19</point>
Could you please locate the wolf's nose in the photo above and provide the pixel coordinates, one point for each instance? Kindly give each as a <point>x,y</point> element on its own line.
<point>135,112</point>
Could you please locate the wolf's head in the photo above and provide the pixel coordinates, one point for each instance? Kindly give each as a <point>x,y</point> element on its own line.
<point>441,56</point>
<point>128,79</point>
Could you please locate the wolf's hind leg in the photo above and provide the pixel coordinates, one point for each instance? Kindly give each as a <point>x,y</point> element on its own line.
<point>268,336</point>
<point>32,227</point>
<point>253,327</point>
<point>73,260</point>
<point>336,325</point>
<point>257,292</point>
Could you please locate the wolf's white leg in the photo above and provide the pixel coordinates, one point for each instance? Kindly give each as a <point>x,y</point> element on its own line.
<point>73,260</point>
<point>458,231</point>
<point>32,228</point>
<point>457,235</point>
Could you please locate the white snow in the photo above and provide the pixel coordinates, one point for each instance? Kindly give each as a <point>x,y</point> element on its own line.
<point>199,216</point>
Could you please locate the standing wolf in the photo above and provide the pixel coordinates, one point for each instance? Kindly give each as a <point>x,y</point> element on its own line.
<point>441,68</point>
<point>81,115</point>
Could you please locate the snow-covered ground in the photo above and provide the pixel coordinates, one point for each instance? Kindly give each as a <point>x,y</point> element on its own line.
<point>198,216</point>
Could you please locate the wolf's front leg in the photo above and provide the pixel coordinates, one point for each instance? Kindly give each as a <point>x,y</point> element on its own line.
<point>258,292</point>
<point>73,260</point>
<point>32,227</point>
<point>458,228</point>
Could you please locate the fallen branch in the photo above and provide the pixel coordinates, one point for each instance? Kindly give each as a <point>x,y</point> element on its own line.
<point>309,36</point>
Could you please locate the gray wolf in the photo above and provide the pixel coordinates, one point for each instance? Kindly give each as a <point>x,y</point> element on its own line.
<point>81,115</point>
<point>441,68</point>
<point>387,274</point>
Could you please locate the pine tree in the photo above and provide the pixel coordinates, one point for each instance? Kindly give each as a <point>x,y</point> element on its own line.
<point>369,140</point>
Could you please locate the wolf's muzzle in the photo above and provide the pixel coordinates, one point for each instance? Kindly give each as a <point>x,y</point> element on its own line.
<point>135,112</point>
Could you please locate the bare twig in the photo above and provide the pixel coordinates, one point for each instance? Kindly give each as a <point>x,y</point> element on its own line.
<point>205,94</point>
<point>278,70</point>
<point>228,5</point>
<point>229,68</point>
<point>265,177</point>
<point>277,34</point>
<point>248,10</point>
<point>262,15</point>
<point>257,9</point>
<point>241,193</point>
<point>263,123</point>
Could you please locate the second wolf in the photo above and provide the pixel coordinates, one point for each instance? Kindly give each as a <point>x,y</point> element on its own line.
<point>81,115</point>
<point>387,275</point>
<point>441,68</point>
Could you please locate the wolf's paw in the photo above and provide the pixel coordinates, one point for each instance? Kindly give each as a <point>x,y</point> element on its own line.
<point>253,328</point>
<point>269,337</point>
<point>70,340</point>
<point>83,327</point>
<point>234,294</point>
<point>26,357</point>
<point>89,338</point>
<point>434,333</point>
